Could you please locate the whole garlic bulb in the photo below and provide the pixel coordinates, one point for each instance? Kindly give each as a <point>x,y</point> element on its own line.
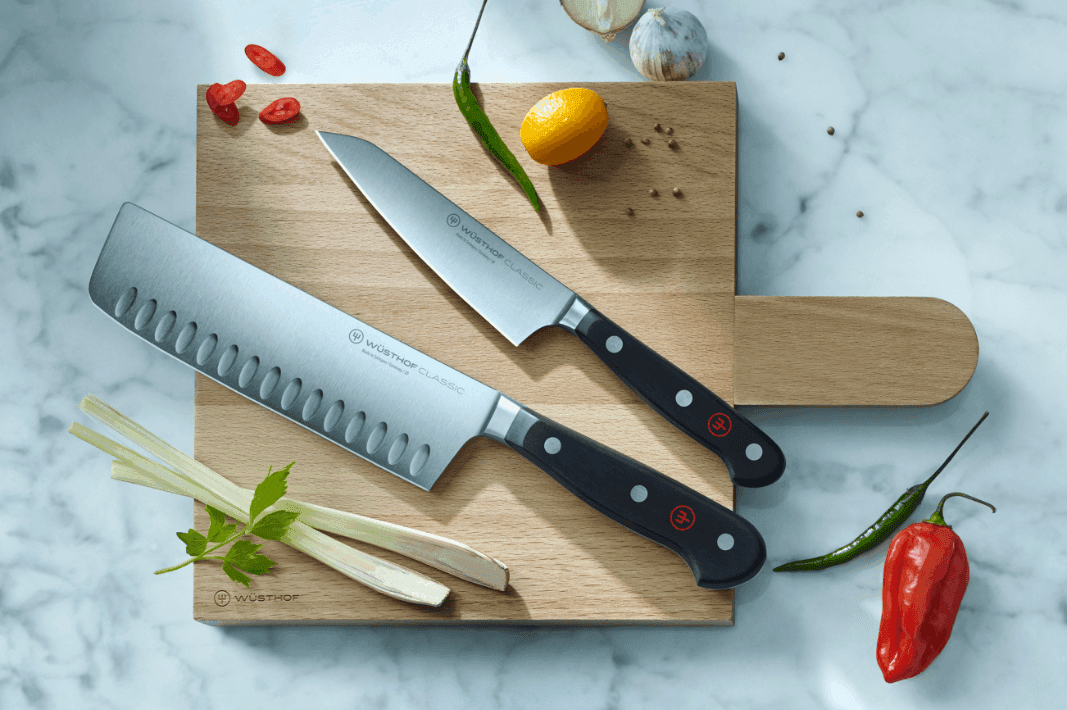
<point>668,44</point>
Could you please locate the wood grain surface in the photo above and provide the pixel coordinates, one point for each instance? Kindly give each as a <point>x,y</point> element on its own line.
<point>273,196</point>
<point>850,351</point>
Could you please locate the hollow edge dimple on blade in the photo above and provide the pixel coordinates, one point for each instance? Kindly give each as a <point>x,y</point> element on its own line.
<point>237,309</point>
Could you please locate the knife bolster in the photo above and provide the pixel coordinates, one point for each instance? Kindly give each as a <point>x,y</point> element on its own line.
<point>502,420</point>
<point>575,314</point>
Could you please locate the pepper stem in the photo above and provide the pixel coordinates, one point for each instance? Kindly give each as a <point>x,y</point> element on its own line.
<point>938,519</point>
<point>476,23</point>
<point>959,446</point>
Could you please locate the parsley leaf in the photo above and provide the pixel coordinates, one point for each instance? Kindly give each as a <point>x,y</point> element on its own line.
<point>258,564</point>
<point>235,574</point>
<point>195,543</point>
<point>218,520</point>
<point>275,525</point>
<point>268,492</point>
<point>242,551</point>
<point>243,555</point>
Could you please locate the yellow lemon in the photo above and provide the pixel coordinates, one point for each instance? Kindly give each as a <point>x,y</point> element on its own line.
<point>563,125</point>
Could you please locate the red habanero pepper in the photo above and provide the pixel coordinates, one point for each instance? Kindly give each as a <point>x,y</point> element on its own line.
<point>925,576</point>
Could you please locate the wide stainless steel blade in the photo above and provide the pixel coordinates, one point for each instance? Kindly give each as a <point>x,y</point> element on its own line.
<point>323,369</point>
<point>509,290</point>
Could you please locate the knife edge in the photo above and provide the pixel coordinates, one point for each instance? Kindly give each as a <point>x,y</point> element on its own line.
<point>199,304</point>
<point>475,253</point>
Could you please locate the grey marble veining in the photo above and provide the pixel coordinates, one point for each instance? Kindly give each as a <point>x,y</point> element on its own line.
<point>950,135</point>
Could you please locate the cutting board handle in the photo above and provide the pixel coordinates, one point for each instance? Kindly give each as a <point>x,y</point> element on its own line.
<point>827,351</point>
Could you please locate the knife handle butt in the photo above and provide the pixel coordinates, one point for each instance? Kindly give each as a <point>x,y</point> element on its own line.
<point>751,457</point>
<point>721,548</point>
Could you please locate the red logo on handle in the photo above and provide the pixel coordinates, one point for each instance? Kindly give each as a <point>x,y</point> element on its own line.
<point>682,517</point>
<point>720,424</point>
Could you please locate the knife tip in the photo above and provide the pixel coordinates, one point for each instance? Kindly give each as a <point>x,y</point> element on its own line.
<point>324,136</point>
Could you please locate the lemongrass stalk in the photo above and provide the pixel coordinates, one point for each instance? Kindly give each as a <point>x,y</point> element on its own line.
<point>442,553</point>
<point>383,576</point>
<point>163,477</point>
<point>439,552</point>
<point>122,471</point>
<point>455,558</point>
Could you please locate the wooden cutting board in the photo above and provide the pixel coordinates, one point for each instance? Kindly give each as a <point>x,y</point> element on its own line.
<point>273,196</point>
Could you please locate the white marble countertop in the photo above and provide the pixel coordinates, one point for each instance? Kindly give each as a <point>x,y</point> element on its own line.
<point>951,136</point>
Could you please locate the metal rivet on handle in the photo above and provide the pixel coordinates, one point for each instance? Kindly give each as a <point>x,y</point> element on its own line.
<point>552,445</point>
<point>639,494</point>
<point>753,452</point>
<point>614,344</point>
<point>684,398</point>
<point>725,541</point>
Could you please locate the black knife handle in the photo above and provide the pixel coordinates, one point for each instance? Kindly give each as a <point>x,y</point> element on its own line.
<point>751,457</point>
<point>721,548</point>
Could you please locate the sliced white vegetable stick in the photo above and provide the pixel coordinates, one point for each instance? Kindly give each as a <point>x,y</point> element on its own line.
<point>122,471</point>
<point>439,552</point>
<point>382,576</point>
<point>163,478</point>
<point>442,553</point>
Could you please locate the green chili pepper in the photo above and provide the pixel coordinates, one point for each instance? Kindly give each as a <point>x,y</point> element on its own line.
<point>468,106</point>
<point>882,528</point>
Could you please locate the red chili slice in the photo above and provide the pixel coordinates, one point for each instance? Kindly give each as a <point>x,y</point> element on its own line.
<point>280,111</point>
<point>212,103</point>
<point>228,112</point>
<point>226,94</point>
<point>265,60</point>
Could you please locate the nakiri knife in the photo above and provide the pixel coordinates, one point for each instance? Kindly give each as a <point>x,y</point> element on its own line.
<point>377,397</point>
<point>518,298</point>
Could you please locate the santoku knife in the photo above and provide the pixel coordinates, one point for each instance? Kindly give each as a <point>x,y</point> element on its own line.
<point>373,395</point>
<point>518,298</point>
